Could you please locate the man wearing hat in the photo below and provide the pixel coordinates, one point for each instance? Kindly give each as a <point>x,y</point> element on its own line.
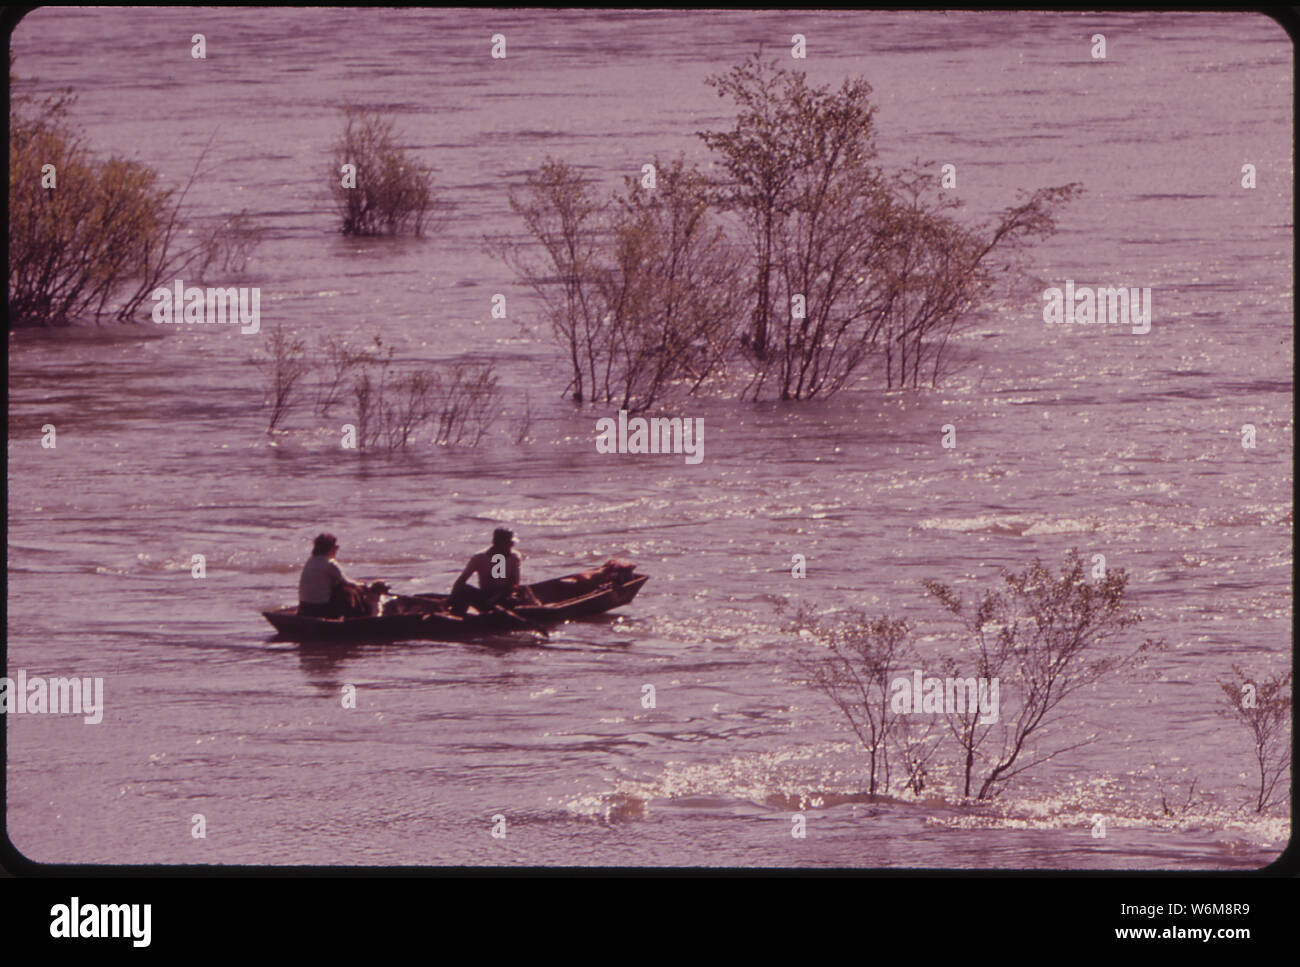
<point>498,569</point>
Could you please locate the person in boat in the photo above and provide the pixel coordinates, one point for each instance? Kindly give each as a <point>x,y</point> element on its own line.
<point>324,591</point>
<point>498,569</point>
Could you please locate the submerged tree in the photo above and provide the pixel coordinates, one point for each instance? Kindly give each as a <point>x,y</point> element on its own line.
<point>801,176</point>
<point>88,238</point>
<point>761,156</point>
<point>856,660</point>
<point>560,211</point>
<point>386,191</point>
<point>674,291</point>
<point>1044,638</point>
<point>847,263</point>
<point>845,266</point>
<point>934,273</point>
<point>1265,711</point>
<point>640,290</point>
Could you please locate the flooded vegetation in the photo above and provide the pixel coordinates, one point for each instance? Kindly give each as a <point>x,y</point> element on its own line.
<point>872,278</point>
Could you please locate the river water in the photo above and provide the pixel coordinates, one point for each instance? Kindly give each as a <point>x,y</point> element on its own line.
<point>1114,443</point>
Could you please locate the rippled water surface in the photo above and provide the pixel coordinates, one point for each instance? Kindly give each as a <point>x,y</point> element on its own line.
<point>1124,445</point>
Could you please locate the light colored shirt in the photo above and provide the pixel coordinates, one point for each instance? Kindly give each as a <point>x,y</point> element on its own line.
<point>320,576</point>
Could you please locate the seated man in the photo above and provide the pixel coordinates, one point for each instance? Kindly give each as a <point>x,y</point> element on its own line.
<point>324,590</point>
<point>498,569</point>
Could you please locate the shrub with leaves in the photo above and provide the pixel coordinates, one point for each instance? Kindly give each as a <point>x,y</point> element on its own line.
<point>853,660</point>
<point>88,238</point>
<point>1263,707</point>
<point>1045,638</point>
<point>641,290</point>
<point>847,264</point>
<point>390,192</point>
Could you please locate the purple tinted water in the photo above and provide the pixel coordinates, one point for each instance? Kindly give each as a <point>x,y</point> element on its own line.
<point>1123,445</point>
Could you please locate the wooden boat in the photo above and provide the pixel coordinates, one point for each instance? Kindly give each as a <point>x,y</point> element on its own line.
<point>428,616</point>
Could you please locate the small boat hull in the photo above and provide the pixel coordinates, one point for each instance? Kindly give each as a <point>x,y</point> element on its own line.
<point>426,616</point>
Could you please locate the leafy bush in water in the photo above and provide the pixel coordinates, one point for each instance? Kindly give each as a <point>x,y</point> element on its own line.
<point>641,292</point>
<point>393,193</point>
<point>838,269</point>
<point>92,238</point>
<point>1263,707</point>
<point>1042,637</point>
<point>97,240</point>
